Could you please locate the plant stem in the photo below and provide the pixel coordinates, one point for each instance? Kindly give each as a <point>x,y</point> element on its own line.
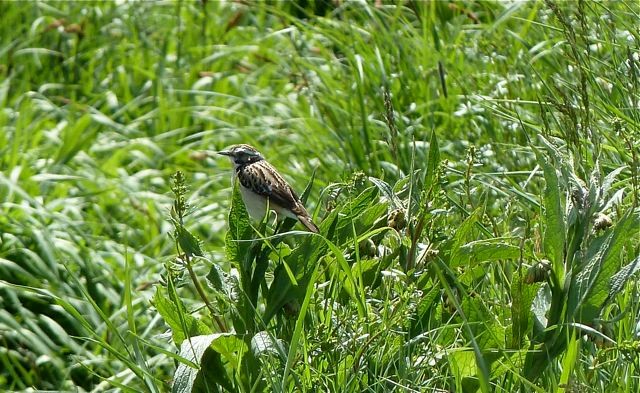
<point>203,296</point>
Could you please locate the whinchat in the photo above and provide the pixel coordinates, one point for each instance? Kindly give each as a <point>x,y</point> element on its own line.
<point>261,185</point>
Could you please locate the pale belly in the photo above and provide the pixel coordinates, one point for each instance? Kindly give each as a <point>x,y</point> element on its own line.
<point>257,206</point>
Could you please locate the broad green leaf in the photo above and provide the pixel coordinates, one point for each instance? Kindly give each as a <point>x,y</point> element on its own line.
<point>372,214</point>
<point>461,235</point>
<point>362,202</point>
<point>619,280</point>
<point>433,161</point>
<point>472,274</point>
<point>478,251</point>
<point>346,216</point>
<point>387,191</point>
<point>367,269</point>
<point>264,343</point>
<point>300,263</point>
<point>540,308</point>
<point>182,326</point>
<point>188,242</point>
<point>512,360</point>
<point>203,350</point>
<point>568,363</point>
<point>522,296</point>
<point>595,282</point>
<point>236,244</point>
<point>425,310</point>
<point>487,331</point>
<point>463,366</point>
<point>609,179</point>
<point>230,346</point>
<point>214,278</point>
<point>554,238</point>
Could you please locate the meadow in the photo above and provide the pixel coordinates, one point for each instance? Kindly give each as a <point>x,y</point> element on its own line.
<point>474,168</point>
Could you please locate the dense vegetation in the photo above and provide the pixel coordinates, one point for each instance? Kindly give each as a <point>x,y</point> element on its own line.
<point>474,167</point>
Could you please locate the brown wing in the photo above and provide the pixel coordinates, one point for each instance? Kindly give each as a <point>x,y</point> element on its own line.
<point>264,180</point>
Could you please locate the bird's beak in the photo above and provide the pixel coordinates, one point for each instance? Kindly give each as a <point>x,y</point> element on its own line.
<point>225,152</point>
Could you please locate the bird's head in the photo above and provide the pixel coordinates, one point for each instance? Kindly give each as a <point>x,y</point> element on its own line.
<point>242,154</point>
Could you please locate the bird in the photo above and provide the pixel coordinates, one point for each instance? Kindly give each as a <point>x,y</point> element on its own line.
<point>261,185</point>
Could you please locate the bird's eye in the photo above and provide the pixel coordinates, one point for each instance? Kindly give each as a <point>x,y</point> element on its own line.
<point>242,157</point>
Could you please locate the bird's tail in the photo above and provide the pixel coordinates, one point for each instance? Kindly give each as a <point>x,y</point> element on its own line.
<point>306,221</point>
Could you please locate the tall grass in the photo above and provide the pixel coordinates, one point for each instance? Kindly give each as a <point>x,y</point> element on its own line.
<point>475,169</point>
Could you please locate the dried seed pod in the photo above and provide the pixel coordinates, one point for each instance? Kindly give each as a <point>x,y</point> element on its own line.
<point>74,28</point>
<point>601,222</point>
<point>449,303</point>
<point>291,309</point>
<point>396,219</point>
<point>367,248</point>
<point>538,272</point>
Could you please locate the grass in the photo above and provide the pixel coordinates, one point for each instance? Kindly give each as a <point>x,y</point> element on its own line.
<point>476,181</point>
